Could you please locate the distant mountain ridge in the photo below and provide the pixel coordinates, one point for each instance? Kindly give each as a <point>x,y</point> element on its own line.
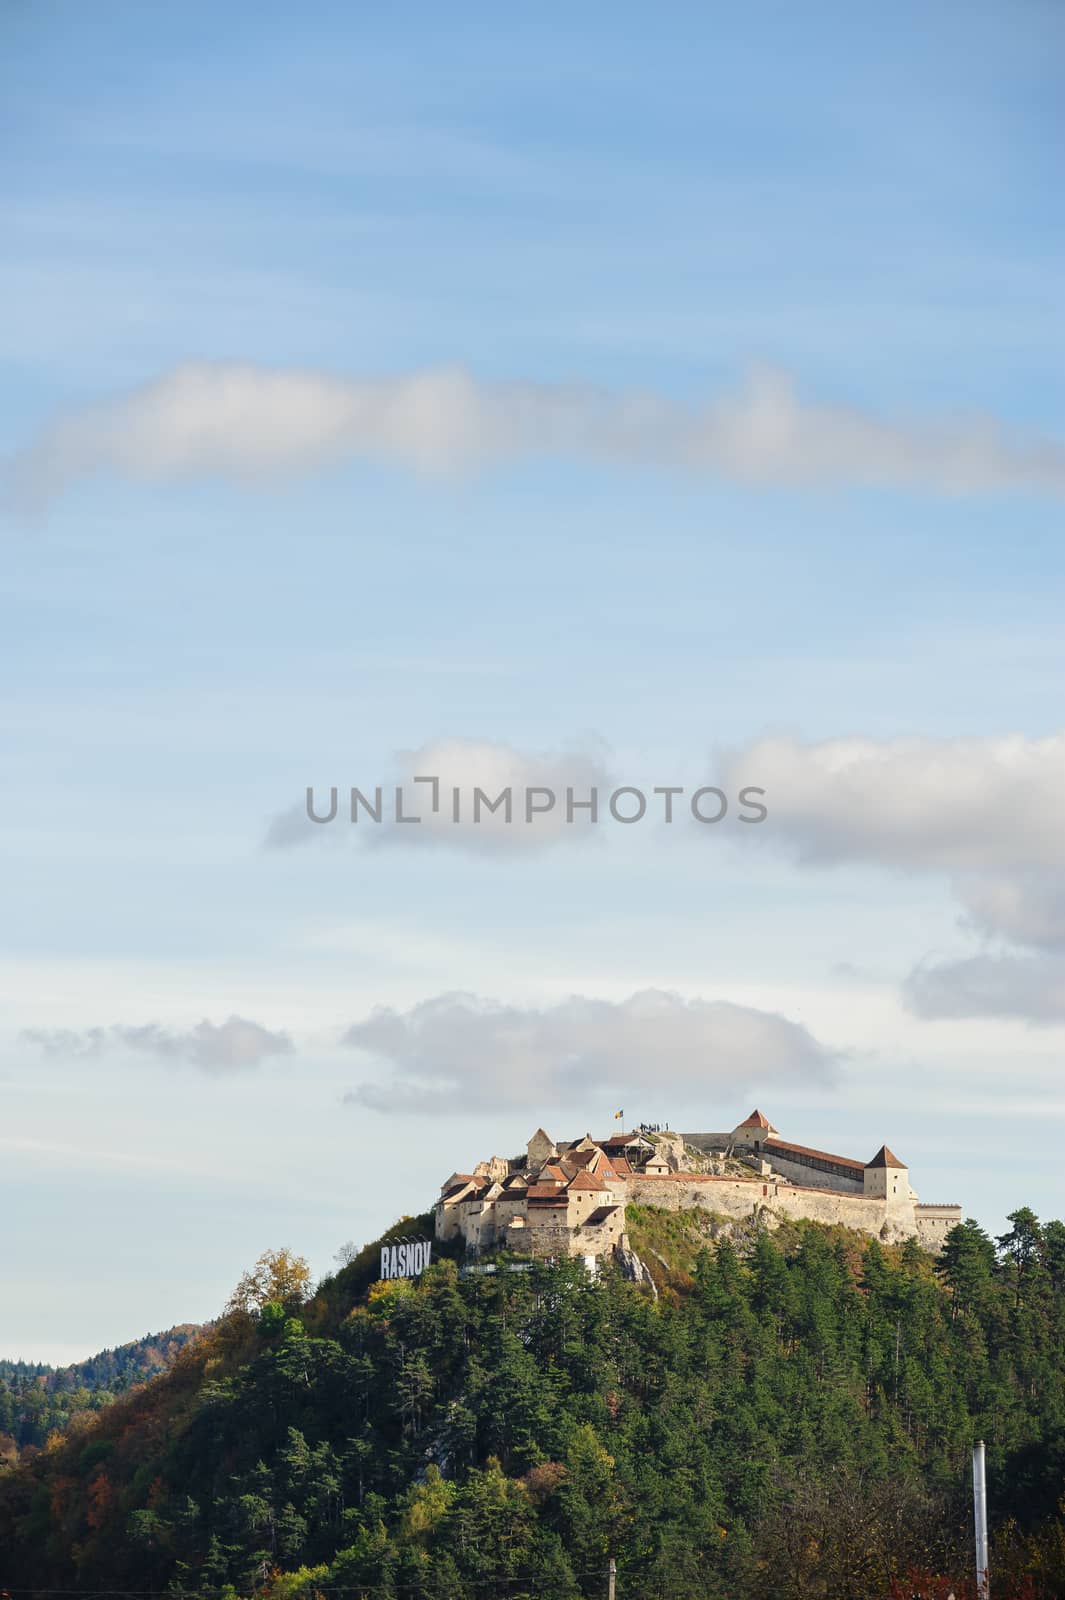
<point>38,1400</point>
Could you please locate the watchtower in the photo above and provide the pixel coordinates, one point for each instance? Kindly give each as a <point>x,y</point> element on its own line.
<point>887,1178</point>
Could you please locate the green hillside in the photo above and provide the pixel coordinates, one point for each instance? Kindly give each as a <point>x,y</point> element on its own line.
<point>790,1416</point>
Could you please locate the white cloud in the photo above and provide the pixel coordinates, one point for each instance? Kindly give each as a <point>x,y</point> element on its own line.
<point>983,812</point>
<point>952,805</point>
<point>1025,906</point>
<point>1025,986</point>
<point>247,421</point>
<point>457,1050</point>
<point>1022,911</point>
<point>293,827</point>
<point>465,765</point>
<point>213,1047</point>
<point>83,1044</point>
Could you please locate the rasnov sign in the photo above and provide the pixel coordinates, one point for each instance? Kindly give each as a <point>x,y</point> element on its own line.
<point>405,1260</point>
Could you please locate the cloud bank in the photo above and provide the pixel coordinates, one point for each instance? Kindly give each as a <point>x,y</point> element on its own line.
<point>213,1047</point>
<point>246,421</point>
<point>458,1050</point>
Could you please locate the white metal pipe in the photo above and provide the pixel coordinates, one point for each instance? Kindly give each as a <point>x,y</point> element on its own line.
<point>983,1587</point>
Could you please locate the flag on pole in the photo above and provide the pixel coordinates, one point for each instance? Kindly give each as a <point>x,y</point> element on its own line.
<point>618,1116</point>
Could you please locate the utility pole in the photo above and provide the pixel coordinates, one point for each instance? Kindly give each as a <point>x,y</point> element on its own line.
<point>983,1587</point>
<point>611,1577</point>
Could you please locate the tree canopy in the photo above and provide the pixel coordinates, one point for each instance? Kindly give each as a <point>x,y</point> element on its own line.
<point>791,1416</point>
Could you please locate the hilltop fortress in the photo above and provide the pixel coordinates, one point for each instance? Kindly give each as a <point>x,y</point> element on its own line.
<point>570,1198</point>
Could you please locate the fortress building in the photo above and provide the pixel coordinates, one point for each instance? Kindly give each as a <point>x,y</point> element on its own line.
<point>570,1198</point>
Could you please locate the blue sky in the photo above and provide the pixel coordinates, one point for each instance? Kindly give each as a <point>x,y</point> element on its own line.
<point>242,555</point>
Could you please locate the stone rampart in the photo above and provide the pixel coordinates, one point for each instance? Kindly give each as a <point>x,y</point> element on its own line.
<point>741,1197</point>
<point>543,1239</point>
<point>809,1177</point>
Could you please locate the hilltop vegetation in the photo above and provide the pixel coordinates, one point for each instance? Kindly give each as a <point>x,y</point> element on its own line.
<point>37,1401</point>
<point>791,1417</point>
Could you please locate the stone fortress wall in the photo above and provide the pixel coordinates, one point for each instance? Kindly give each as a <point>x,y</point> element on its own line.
<point>743,1197</point>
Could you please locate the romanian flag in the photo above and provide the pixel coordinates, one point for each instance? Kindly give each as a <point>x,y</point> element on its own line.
<point>618,1116</point>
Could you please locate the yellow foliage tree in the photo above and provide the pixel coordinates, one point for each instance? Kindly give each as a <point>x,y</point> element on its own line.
<point>278,1277</point>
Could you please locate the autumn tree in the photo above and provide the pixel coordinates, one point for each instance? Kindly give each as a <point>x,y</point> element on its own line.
<point>278,1278</point>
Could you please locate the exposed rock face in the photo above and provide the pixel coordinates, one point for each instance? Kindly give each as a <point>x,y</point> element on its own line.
<point>671,1146</point>
<point>633,1268</point>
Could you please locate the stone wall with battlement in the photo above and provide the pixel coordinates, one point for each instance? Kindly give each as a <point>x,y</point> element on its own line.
<point>934,1223</point>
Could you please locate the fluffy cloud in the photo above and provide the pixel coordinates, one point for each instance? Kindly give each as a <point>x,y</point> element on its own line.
<point>457,1050</point>
<point>213,1047</point>
<point>465,765</point>
<point>1026,906</point>
<point>246,421</point>
<point>1022,914</point>
<point>951,805</point>
<point>1028,987</point>
<point>984,813</point>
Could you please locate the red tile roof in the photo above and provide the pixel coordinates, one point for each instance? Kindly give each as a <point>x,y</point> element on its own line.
<point>884,1158</point>
<point>449,1194</point>
<point>783,1146</point>
<point>582,1158</point>
<point>755,1120</point>
<point>588,1180</point>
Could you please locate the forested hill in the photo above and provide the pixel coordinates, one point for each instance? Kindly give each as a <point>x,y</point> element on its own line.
<point>37,1400</point>
<point>791,1416</point>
